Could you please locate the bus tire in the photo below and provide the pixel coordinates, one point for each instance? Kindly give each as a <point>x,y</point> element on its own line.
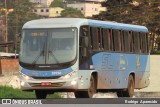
<point>41,94</point>
<point>90,92</point>
<point>93,87</point>
<point>129,92</point>
<point>130,89</point>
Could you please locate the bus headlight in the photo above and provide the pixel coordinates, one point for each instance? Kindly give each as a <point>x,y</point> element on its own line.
<point>69,75</point>
<point>74,82</point>
<point>26,77</point>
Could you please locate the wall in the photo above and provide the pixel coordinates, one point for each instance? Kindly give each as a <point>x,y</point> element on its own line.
<point>7,65</point>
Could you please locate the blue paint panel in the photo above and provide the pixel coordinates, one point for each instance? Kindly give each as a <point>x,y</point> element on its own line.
<point>116,67</point>
<point>118,26</point>
<point>117,61</point>
<point>48,73</point>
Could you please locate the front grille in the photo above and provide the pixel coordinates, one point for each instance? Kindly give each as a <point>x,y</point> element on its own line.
<point>59,84</point>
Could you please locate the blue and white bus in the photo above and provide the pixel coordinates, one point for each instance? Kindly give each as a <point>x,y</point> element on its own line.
<point>83,56</point>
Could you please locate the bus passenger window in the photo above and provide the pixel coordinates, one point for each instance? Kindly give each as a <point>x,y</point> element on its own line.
<point>126,41</point>
<point>130,42</point>
<point>94,38</point>
<point>99,39</point>
<point>136,42</point>
<point>144,44</point>
<point>147,43</point>
<point>122,40</point>
<point>107,39</point>
<point>116,36</point>
<point>102,39</point>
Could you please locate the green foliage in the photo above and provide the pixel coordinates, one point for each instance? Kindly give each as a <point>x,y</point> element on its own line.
<point>57,3</point>
<point>10,4</point>
<point>146,13</point>
<point>22,12</point>
<point>154,51</point>
<point>71,13</point>
<point>9,92</point>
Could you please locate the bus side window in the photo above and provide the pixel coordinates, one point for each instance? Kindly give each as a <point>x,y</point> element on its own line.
<point>94,38</point>
<point>117,44</point>
<point>130,42</point>
<point>122,40</point>
<point>143,43</point>
<point>106,42</point>
<point>99,38</point>
<point>84,32</point>
<point>111,40</point>
<point>102,38</point>
<point>140,42</point>
<point>147,42</point>
<point>136,42</point>
<point>126,42</point>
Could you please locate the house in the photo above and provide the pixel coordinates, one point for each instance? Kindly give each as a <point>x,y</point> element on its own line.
<point>45,2</point>
<point>42,9</point>
<point>56,11</point>
<point>88,7</point>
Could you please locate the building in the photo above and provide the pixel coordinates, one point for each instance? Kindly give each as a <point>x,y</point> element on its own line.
<point>46,11</point>
<point>89,7</point>
<point>45,2</point>
<point>42,9</point>
<point>56,11</point>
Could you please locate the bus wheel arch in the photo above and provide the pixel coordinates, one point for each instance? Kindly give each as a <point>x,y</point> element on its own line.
<point>92,87</point>
<point>129,91</point>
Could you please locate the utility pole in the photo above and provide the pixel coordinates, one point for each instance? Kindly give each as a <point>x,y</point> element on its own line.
<point>6,34</point>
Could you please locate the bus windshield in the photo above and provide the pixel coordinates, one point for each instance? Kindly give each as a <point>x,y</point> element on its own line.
<point>53,46</point>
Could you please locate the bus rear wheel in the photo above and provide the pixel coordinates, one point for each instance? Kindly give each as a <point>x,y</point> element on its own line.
<point>90,92</point>
<point>41,94</point>
<point>129,92</point>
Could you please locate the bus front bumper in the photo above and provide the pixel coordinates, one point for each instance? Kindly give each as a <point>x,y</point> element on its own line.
<point>49,84</point>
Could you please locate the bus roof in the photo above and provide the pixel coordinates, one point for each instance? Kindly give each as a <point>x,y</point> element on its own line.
<point>77,22</point>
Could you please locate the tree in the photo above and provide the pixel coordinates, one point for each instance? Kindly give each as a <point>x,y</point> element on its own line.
<point>141,12</point>
<point>71,13</point>
<point>57,3</point>
<point>22,12</point>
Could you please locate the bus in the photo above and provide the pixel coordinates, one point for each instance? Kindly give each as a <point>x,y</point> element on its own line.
<point>83,56</point>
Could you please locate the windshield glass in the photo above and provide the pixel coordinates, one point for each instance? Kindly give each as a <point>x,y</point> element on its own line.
<point>53,46</point>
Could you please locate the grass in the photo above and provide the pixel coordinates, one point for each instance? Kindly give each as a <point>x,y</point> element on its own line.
<point>9,92</point>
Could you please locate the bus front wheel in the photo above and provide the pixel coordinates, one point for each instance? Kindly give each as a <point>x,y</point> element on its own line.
<point>90,92</point>
<point>41,94</point>
<point>129,92</point>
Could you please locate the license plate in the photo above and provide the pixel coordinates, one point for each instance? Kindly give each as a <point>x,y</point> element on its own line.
<point>46,84</point>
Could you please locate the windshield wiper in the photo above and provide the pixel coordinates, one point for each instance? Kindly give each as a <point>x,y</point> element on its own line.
<point>52,53</point>
<point>41,53</point>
